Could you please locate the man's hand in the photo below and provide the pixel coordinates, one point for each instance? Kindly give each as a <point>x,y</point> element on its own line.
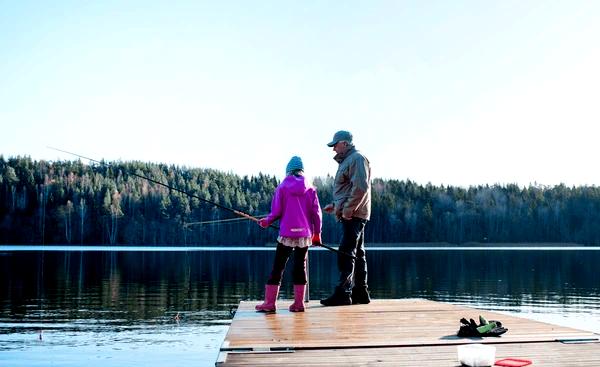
<point>328,208</point>
<point>346,214</point>
<point>263,223</point>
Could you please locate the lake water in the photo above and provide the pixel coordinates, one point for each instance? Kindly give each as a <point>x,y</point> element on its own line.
<point>162,306</point>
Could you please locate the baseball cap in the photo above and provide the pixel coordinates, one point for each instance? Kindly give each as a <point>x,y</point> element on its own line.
<point>339,136</point>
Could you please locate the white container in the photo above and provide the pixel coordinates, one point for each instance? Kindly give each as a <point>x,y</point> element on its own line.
<point>476,355</point>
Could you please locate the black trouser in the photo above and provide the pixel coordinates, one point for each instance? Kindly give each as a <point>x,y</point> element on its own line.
<point>353,242</point>
<point>282,253</point>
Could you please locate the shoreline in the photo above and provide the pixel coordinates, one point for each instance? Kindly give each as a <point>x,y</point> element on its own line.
<point>271,247</point>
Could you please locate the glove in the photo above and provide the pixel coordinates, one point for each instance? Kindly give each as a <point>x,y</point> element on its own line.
<point>469,328</point>
<point>329,208</point>
<point>497,331</point>
<point>263,223</point>
<point>316,239</point>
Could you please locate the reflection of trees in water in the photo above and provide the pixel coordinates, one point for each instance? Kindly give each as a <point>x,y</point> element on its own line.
<point>153,285</point>
<point>503,276</point>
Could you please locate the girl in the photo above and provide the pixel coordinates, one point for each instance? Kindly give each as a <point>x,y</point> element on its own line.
<point>296,205</point>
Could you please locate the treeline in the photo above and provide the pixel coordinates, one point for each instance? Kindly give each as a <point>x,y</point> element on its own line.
<point>68,202</point>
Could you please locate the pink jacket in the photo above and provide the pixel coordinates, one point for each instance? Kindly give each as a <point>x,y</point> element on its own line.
<point>296,204</point>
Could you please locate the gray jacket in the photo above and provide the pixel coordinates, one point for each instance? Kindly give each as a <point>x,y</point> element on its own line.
<point>352,185</point>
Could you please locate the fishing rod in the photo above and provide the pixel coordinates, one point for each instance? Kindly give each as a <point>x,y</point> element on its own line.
<point>234,211</point>
<point>335,250</point>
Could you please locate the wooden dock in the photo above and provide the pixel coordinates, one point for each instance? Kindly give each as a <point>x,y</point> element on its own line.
<point>407,332</point>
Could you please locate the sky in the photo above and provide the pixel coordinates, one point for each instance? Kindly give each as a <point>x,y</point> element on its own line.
<point>444,92</point>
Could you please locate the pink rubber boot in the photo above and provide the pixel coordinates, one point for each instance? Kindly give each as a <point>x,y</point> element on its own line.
<point>271,293</point>
<point>298,305</point>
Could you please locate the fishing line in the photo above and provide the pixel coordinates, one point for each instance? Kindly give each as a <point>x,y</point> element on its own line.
<point>217,221</point>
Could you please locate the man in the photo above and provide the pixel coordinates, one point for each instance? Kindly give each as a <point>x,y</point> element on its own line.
<point>352,207</point>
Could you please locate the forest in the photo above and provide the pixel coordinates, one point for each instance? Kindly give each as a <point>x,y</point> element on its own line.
<point>72,202</point>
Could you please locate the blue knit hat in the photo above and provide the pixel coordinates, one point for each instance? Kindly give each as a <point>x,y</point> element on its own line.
<point>294,164</point>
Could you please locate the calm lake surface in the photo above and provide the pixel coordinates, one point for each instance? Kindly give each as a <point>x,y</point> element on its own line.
<point>141,306</point>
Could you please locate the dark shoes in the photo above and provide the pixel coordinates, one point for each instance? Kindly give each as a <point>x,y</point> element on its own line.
<point>338,298</point>
<point>360,295</point>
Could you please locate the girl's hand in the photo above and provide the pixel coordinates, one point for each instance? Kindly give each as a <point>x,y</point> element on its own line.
<point>316,239</point>
<point>328,208</point>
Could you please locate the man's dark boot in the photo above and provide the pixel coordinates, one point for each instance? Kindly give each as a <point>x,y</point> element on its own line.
<point>338,298</point>
<point>360,295</point>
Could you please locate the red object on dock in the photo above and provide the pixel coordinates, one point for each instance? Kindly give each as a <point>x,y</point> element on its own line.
<point>513,362</point>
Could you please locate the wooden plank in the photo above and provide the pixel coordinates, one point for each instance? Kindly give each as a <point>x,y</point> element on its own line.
<point>541,354</point>
<point>381,323</point>
<point>389,332</point>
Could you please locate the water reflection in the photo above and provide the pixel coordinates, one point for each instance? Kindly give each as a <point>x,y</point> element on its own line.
<point>180,302</point>
<point>134,286</point>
